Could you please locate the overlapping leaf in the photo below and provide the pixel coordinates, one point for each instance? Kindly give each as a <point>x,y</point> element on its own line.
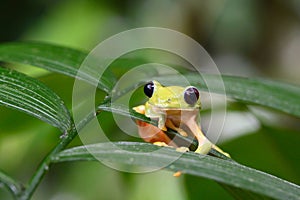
<point>223,171</point>
<point>53,58</point>
<point>28,95</point>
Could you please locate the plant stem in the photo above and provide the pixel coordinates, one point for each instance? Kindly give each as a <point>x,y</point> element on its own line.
<point>14,187</point>
<point>45,164</point>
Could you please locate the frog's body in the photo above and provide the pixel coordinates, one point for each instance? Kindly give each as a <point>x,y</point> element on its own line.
<point>176,108</point>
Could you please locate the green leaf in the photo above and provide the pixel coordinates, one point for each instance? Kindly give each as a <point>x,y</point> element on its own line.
<point>123,110</point>
<point>241,194</point>
<point>53,58</point>
<point>28,95</point>
<point>222,171</point>
<point>280,96</point>
<point>273,94</point>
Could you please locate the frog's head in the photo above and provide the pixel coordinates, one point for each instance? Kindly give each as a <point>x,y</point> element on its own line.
<point>172,97</point>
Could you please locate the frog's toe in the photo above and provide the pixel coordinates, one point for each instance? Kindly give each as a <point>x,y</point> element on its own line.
<point>161,144</point>
<point>221,151</point>
<point>226,154</point>
<point>182,149</point>
<point>139,109</point>
<point>177,174</point>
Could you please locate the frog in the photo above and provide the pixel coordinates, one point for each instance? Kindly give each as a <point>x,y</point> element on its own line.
<point>176,108</point>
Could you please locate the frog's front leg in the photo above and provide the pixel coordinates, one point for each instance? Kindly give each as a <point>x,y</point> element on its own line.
<point>156,114</point>
<point>151,133</point>
<point>161,120</point>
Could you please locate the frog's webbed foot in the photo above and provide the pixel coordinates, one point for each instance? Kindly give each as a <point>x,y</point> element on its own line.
<point>179,149</point>
<point>204,146</point>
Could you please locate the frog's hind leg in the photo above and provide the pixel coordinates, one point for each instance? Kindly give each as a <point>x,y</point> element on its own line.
<point>204,145</point>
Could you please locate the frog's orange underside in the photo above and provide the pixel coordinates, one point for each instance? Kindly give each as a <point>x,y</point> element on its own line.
<point>151,133</point>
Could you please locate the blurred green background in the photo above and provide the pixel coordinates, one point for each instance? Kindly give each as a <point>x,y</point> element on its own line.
<point>253,38</point>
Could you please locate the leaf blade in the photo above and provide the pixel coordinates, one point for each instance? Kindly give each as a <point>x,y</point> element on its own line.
<point>273,94</point>
<point>53,58</point>
<point>28,95</point>
<point>222,171</point>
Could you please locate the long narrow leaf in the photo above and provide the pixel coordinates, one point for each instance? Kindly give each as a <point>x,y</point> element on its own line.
<point>280,96</point>
<point>28,95</point>
<point>144,154</point>
<point>273,94</point>
<point>53,58</point>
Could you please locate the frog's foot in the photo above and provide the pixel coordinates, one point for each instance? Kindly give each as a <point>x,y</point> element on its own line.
<point>221,151</point>
<point>204,147</point>
<point>182,149</point>
<point>161,144</point>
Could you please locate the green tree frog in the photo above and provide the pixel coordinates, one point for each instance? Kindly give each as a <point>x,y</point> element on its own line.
<point>176,108</point>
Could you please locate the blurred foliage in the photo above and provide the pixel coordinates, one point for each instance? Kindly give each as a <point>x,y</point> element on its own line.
<point>249,38</point>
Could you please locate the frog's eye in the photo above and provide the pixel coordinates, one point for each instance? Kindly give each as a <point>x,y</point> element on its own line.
<point>148,89</point>
<point>191,95</point>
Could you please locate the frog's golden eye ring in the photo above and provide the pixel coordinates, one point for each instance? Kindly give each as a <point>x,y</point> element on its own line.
<point>149,89</point>
<point>191,95</point>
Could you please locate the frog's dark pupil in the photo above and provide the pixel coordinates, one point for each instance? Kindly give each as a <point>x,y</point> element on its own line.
<point>148,89</point>
<point>191,95</point>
